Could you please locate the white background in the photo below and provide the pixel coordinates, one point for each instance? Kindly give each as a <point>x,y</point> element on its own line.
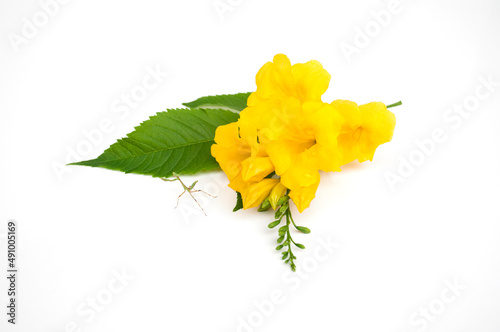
<point>398,249</point>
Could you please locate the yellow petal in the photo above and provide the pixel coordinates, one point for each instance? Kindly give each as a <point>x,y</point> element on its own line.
<point>230,150</point>
<point>302,197</point>
<point>351,115</point>
<point>349,145</point>
<point>275,79</point>
<point>302,173</point>
<point>279,80</point>
<point>378,127</point>
<point>307,144</point>
<point>283,152</point>
<point>238,184</point>
<point>268,119</point>
<point>257,192</point>
<point>325,123</point>
<point>255,169</point>
<point>327,157</point>
<point>311,80</point>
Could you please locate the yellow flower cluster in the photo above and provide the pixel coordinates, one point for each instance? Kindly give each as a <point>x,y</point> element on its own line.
<point>287,129</point>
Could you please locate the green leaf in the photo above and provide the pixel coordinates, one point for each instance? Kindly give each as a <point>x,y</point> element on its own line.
<point>280,239</point>
<point>239,202</point>
<point>178,140</point>
<point>279,247</point>
<point>236,102</point>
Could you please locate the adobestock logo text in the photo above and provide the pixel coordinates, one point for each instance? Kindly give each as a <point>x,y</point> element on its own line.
<point>122,107</point>
<point>427,146</point>
<point>39,20</point>
<point>363,36</point>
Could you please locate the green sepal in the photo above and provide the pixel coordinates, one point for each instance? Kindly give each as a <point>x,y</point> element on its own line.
<point>239,202</point>
<point>264,206</point>
<point>282,200</point>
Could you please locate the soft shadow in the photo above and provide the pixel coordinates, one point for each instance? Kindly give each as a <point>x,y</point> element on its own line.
<point>352,166</point>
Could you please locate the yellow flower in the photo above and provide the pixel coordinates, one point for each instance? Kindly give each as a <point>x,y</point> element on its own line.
<point>364,129</point>
<point>277,83</point>
<point>308,144</point>
<point>280,80</point>
<point>245,163</point>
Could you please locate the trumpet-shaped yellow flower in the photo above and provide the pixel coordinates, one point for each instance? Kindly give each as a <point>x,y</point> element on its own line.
<point>277,83</point>
<point>364,129</point>
<point>308,144</point>
<point>245,163</point>
<point>279,80</point>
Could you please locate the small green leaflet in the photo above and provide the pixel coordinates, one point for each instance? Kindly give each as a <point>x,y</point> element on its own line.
<point>236,102</point>
<point>177,140</point>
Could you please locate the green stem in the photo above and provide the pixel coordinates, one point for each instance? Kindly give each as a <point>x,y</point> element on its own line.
<point>289,238</point>
<point>289,215</point>
<point>291,218</point>
<point>395,104</point>
<point>285,237</point>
